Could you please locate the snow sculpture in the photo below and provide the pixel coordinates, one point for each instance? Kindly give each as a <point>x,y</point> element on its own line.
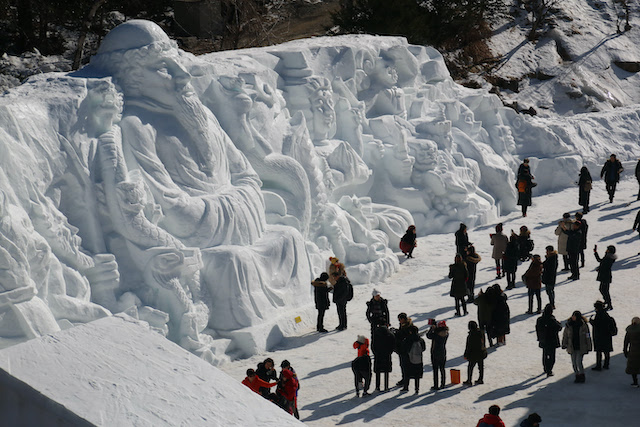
<point>208,195</point>
<point>205,191</point>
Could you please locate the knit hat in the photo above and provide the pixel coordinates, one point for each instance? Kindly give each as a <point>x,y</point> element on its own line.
<point>441,324</point>
<point>361,339</point>
<point>375,292</point>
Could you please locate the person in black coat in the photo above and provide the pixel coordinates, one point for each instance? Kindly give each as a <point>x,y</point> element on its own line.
<point>321,295</point>
<point>377,310</point>
<point>524,184</point>
<point>340,298</point>
<point>549,274</point>
<point>585,183</point>
<point>604,328</point>
<point>382,346</point>
<point>547,329</point>
<point>604,272</point>
<point>266,372</point>
<point>611,173</point>
<point>501,316</point>
<point>438,334</point>
<point>638,176</point>
<point>414,367</point>
<point>510,264</point>
<point>400,334</point>
<point>574,246</point>
<point>475,352</point>
<point>584,228</point>
<point>462,239</point>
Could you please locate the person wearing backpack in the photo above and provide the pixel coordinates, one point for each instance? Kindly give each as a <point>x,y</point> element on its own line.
<point>585,183</point>
<point>361,366</point>
<point>475,352</point>
<point>342,294</point>
<point>604,328</point>
<point>547,329</point>
<point>438,334</point>
<point>414,346</point>
<point>524,185</point>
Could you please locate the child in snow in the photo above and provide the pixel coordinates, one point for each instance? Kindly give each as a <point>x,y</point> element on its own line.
<point>288,386</point>
<point>361,366</point>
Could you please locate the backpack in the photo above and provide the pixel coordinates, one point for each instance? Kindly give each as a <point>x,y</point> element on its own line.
<point>613,328</point>
<point>587,185</point>
<point>415,354</point>
<point>522,186</point>
<point>349,290</point>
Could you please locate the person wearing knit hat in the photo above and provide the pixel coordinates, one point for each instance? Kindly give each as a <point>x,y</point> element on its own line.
<point>361,366</point>
<point>377,311</point>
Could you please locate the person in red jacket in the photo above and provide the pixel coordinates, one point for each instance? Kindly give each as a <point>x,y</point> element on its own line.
<point>254,383</point>
<point>361,366</point>
<point>492,418</point>
<point>288,388</point>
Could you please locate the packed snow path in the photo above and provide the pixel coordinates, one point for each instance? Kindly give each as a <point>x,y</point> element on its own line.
<point>514,378</point>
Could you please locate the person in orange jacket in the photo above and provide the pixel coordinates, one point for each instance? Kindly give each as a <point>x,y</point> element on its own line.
<point>254,383</point>
<point>361,366</point>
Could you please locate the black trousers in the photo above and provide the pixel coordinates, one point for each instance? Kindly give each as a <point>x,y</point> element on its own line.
<point>472,365</point>
<point>573,264</point>
<point>342,315</point>
<point>438,368</point>
<point>548,359</point>
<point>604,290</point>
<point>599,359</point>
<point>551,293</point>
<point>320,324</point>
<point>611,189</point>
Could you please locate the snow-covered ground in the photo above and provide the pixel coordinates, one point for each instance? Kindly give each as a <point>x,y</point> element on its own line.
<point>514,378</point>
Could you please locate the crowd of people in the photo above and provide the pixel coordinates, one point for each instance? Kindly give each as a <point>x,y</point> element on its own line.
<point>493,312</point>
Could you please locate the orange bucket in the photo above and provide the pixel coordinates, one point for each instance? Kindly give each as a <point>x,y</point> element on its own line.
<point>455,376</point>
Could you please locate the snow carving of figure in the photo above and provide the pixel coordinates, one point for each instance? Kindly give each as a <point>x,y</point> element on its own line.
<point>207,190</point>
<point>228,99</point>
<point>388,98</point>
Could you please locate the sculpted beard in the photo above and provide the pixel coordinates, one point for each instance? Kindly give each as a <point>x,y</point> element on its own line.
<point>192,115</point>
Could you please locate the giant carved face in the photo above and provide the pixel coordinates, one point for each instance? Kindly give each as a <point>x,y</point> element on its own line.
<point>163,78</point>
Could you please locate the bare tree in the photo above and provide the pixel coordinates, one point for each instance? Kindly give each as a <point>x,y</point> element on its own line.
<point>540,11</point>
<point>86,24</point>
